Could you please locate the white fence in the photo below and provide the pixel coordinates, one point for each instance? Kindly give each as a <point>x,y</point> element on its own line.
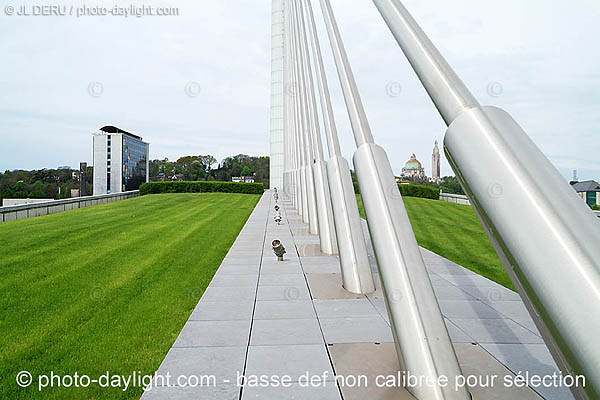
<point>455,198</point>
<point>462,199</point>
<point>13,213</point>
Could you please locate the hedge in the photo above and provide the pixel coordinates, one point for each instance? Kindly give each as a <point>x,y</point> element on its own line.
<point>427,192</point>
<point>201,187</point>
<point>412,190</point>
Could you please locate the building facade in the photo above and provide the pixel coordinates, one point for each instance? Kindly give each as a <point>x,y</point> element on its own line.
<point>121,161</point>
<point>243,179</point>
<point>413,169</point>
<point>589,191</point>
<point>435,164</point>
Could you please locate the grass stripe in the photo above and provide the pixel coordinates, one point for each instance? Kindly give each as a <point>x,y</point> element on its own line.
<point>151,256</point>
<point>454,232</point>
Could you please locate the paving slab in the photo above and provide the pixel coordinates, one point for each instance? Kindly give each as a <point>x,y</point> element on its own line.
<point>222,362</point>
<point>329,286</point>
<point>224,392</point>
<point>284,309</point>
<point>286,331</point>
<point>534,358</point>
<point>222,311</point>
<point>287,292</point>
<point>467,309</point>
<point>371,361</point>
<point>356,330</point>
<point>345,308</point>
<point>235,280</point>
<point>240,293</point>
<point>293,392</point>
<point>489,375</point>
<point>496,331</point>
<point>214,333</point>
<point>294,361</point>
<point>282,280</point>
<point>262,316</point>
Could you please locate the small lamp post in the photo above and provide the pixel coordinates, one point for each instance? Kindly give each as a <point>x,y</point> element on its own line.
<point>278,249</point>
<point>277,217</point>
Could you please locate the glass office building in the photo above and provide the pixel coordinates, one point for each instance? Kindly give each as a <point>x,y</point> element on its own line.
<point>121,161</point>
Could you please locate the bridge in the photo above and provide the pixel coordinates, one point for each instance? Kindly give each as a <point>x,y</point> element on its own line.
<point>361,298</point>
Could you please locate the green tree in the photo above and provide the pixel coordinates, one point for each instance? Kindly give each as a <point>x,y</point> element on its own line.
<point>246,171</point>
<point>207,162</point>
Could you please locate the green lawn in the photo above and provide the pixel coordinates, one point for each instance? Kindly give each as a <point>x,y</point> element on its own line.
<point>109,287</point>
<point>453,231</point>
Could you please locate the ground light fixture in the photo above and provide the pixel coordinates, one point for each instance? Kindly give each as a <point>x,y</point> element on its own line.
<point>277,217</point>
<point>278,249</point>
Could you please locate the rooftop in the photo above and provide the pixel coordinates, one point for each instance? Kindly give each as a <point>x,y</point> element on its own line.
<point>587,186</point>
<point>114,129</point>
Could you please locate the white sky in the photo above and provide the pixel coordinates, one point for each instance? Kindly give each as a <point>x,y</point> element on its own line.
<point>543,55</point>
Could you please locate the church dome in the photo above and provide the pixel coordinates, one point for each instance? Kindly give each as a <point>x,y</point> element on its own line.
<point>413,163</point>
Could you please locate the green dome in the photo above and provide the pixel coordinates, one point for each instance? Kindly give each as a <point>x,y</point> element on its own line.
<point>413,163</point>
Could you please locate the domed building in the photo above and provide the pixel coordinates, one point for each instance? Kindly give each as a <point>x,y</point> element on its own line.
<point>413,169</point>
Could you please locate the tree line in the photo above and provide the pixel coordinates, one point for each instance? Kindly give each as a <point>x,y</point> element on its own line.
<point>206,168</point>
<point>57,183</point>
<point>42,183</point>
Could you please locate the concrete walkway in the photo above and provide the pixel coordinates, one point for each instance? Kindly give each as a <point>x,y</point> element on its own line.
<point>291,320</point>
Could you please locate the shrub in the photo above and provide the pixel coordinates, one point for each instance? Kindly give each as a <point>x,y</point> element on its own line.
<point>412,190</point>
<point>427,192</point>
<point>596,208</point>
<point>201,187</point>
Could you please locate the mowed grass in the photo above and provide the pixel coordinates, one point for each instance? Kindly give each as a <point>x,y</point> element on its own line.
<point>454,232</point>
<point>109,287</point>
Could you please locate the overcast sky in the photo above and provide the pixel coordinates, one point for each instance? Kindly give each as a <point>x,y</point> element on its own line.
<point>62,78</point>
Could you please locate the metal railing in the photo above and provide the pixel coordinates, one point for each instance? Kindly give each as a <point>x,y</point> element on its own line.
<point>455,198</point>
<point>13,213</point>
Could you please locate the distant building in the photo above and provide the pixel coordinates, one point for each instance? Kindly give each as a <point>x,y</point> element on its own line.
<point>435,164</point>
<point>413,169</point>
<point>242,179</point>
<point>121,161</point>
<point>589,191</point>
